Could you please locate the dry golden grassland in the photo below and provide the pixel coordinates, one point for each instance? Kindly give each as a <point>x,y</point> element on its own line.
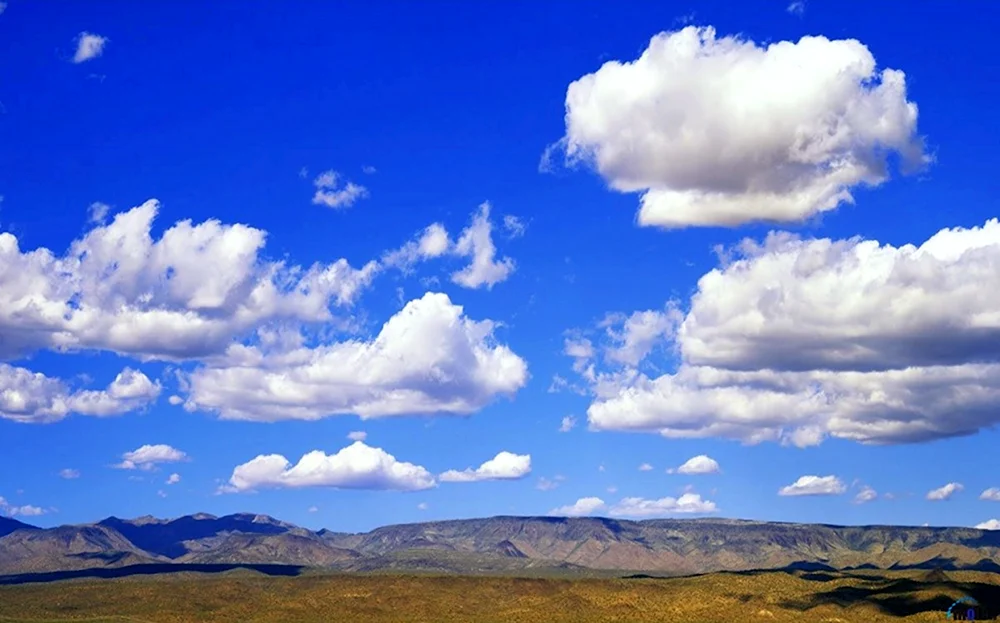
<point>721,598</point>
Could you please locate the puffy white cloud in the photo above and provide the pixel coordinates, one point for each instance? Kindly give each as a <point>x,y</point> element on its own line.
<point>313,509</point>
<point>583,506</point>
<point>720,131</point>
<point>992,494</point>
<point>476,243</point>
<point>88,46</point>
<point>149,456</point>
<point>331,194</point>
<point>119,290</point>
<point>688,503</point>
<point>640,333</point>
<point>357,466</point>
<point>422,506</point>
<point>992,524</point>
<point>432,242</point>
<point>32,397</point>
<point>69,473</point>
<point>428,358</point>
<point>357,435</point>
<point>866,494</point>
<point>26,510</point>
<point>504,466</point>
<point>173,479</point>
<point>645,467</point>
<point>175,400</point>
<point>797,340</point>
<point>814,485</point>
<point>794,304</point>
<point>701,464</point>
<point>567,424</point>
<point>944,492</point>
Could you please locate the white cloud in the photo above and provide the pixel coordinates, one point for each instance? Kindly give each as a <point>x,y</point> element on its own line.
<point>866,494</point>
<point>504,466</point>
<point>688,503</point>
<point>612,489</point>
<point>313,509</point>
<point>26,510</point>
<point>432,242</point>
<point>3,7</point>
<point>32,397</point>
<point>567,424</point>
<point>944,492</point>
<point>640,333</point>
<point>428,358</point>
<point>161,493</point>
<point>118,289</point>
<point>583,506</point>
<point>476,242</point>
<point>721,131</point>
<point>149,456</point>
<point>514,226</point>
<point>97,212</point>
<point>701,464</point>
<point>645,467</point>
<point>798,7</point>
<point>548,484</point>
<point>357,435</point>
<point>992,524</point>
<point>422,506</point>
<point>814,485</point>
<point>992,494</point>
<point>88,46</point>
<point>369,170</point>
<point>798,340</point>
<point>579,349</point>
<point>174,479</point>
<point>331,194</point>
<point>69,474</point>
<point>357,466</point>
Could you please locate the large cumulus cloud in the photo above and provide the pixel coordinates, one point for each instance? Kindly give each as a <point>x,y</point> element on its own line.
<point>795,340</point>
<point>722,131</point>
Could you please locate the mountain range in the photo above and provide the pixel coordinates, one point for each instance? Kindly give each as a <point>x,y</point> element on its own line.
<point>496,544</point>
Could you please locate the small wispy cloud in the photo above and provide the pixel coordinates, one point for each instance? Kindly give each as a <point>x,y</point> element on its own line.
<point>332,194</point>
<point>88,46</point>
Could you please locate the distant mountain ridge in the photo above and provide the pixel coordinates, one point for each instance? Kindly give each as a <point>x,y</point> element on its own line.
<point>496,544</point>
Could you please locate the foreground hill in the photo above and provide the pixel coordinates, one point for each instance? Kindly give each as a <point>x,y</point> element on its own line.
<point>498,544</point>
<point>752,597</point>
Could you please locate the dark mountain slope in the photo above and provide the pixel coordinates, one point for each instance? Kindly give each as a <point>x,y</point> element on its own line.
<point>8,525</point>
<point>167,537</point>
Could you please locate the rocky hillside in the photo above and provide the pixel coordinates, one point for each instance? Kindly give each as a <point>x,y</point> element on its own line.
<point>501,544</point>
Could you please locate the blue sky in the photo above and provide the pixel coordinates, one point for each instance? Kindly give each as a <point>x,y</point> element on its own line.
<point>701,252</point>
